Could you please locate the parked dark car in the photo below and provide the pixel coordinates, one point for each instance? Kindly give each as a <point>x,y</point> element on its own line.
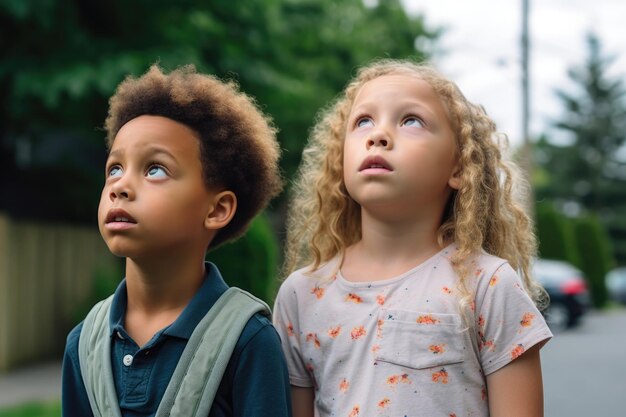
<point>567,288</point>
<point>616,284</point>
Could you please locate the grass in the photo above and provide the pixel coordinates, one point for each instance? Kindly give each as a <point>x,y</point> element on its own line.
<point>47,409</point>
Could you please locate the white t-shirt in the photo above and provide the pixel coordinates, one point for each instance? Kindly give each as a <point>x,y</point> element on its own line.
<point>399,347</point>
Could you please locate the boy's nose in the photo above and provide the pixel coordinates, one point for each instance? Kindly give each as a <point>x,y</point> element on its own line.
<point>121,189</point>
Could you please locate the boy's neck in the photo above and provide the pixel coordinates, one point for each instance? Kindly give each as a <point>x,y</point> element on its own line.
<point>158,292</point>
<point>162,284</point>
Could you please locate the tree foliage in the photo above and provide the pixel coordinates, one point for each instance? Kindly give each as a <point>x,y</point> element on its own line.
<point>593,242</point>
<point>63,59</point>
<point>589,175</point>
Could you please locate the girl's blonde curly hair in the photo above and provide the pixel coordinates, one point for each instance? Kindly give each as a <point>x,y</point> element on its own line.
<point>483,214</point>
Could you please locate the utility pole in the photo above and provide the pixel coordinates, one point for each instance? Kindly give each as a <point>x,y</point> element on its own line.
<point>527,154</point>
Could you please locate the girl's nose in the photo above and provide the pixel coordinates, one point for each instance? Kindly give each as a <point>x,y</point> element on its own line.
<point>379,138</point>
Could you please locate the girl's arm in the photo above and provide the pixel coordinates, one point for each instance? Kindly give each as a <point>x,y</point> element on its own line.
<point>516,390</point>
<point>302,401</point>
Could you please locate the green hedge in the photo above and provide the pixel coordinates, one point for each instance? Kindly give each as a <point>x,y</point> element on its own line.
<point>251,262</point>
<point>596,256</point>
<point>581,241</point>
<point>556,234</point>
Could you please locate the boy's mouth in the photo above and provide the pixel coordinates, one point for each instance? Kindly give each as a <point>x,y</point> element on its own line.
<point>375,162</point>
<point>119,219</point>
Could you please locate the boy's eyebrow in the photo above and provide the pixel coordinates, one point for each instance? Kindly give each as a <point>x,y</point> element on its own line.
<point>150,151</point>
<point>155,150</point>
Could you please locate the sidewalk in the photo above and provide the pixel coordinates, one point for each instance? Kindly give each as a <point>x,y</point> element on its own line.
<point>32,383</point>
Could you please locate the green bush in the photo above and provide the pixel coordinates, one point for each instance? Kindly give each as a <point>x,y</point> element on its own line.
<point>105,282</point>
<point>596,257</point>
<point>251,262</point>
<point>555,233</point>
<point>52,409</point>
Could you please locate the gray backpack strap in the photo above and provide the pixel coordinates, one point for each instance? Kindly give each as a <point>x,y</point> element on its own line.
<point>192,389</point>
<point>94,354</point>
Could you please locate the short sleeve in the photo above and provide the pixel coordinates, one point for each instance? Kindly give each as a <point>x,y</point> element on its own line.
<point>508,322</point>
<point>260,384</point>
<point>288,327</point>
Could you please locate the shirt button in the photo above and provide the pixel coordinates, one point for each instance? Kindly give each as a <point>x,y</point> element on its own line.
<point>128,360</point>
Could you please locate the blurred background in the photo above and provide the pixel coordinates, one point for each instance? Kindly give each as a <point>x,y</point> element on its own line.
<point>550,73</point>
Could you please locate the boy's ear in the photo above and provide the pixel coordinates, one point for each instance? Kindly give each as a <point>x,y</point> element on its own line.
<point>221,211</point>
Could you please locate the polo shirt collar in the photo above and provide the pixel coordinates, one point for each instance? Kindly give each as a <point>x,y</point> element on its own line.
<point>211,289</point>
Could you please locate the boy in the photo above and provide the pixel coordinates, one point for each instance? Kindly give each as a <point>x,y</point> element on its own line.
<point>191,162</point>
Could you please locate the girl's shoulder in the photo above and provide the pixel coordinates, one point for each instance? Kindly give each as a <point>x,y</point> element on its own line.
<point>307,276</point>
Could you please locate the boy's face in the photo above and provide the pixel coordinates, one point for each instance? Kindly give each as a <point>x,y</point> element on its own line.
<point>154,200</point>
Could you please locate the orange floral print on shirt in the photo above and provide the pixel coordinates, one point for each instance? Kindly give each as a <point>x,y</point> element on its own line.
<point>344,385</point>
<point>427,319</point>
<point>384,403</point>
<point>440,376</point>
<point>290,329</point>
<point>394,380</point>
<point>334,331</point>
<point>354,298</point>
<point>355,411</point>
<point>380,299</point>
<point>527,320</point>
<point>318,291</point>
<point>358,332</point>
<point>312,337</point>
<point>437,349</point>
<point>446,290</point>
<point>379,329</point>
<point>517,352</point>
<point>493,281</point>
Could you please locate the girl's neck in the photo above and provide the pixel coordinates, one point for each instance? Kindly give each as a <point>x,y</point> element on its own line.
<point>389,248</point>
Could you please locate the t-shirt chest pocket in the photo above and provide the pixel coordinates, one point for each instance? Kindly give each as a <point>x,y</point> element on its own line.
<point>420,340</point>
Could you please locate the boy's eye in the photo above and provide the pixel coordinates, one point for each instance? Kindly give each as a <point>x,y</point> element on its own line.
<point>364,121</point>
<point>413,121</point>
<point>115,171</point>
<point>156,171</point>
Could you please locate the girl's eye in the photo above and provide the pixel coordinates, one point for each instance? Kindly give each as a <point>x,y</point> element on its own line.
<point>156,171</point>
<point>413,121</point>
<point>364,121</point>
<point>115,171</point>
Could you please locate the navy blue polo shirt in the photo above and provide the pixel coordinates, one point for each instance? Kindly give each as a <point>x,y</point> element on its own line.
<point>255,383</point>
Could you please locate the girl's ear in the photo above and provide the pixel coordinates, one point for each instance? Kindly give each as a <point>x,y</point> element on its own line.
<point>222,210</point>
<point>455,179</point>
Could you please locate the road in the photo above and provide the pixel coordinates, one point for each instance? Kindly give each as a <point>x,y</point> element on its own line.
<point>584,369</point>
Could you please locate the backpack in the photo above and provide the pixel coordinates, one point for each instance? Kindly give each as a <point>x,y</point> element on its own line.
<point>199,371</point>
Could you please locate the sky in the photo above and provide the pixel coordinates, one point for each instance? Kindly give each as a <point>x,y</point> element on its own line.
<point>480,50</point>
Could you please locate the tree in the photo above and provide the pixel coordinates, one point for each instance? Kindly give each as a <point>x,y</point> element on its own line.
<point>589,174</point>
<point>63,59</point>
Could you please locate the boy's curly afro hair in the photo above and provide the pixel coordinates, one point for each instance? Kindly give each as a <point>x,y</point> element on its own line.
<point>238,147</point>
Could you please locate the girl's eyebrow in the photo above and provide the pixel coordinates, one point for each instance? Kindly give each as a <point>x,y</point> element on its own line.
<point>367,106</point>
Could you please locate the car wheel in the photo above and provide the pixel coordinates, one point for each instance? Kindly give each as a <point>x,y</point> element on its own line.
<point>558,317</point>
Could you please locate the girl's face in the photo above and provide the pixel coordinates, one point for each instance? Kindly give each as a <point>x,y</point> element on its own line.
<point>400,153</point>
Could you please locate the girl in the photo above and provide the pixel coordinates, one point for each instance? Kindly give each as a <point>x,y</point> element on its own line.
<point>410,303</point>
